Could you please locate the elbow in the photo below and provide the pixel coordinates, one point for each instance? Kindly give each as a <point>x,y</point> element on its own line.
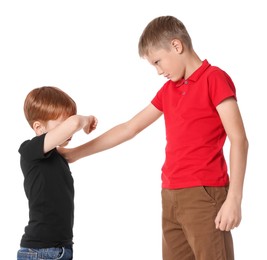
<point>130,131</point>
<point>241,142</point>
<point>75,123</point>
<point>246,144</point>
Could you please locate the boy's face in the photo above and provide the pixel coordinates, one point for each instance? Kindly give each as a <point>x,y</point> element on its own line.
<point>168,62</point>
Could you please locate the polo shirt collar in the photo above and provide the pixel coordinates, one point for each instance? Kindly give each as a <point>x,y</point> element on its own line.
<point>195,75</point>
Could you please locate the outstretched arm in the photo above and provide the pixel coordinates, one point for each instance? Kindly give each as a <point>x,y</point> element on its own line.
<point>115,136</point>
<point>229,215</point>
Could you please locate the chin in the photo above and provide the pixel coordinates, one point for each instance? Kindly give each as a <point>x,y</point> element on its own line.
<point>175,79</point>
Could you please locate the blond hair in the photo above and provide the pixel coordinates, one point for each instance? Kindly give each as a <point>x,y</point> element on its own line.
<point>160,32</point>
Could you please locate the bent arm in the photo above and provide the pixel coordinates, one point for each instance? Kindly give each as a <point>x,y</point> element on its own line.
<point>230,216</point>
<point>116,135</point>
<point>67,128</point>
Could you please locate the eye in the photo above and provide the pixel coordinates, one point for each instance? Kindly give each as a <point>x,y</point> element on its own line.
<point>156,62</point>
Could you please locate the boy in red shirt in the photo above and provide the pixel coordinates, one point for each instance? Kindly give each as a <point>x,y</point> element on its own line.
<point>200,202</point>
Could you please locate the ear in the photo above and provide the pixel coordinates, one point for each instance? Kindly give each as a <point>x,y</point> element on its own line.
<point>177,45</point>
<point>38,128</point>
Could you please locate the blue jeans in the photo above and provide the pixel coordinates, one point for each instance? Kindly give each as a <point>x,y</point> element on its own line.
<point>52,253</point>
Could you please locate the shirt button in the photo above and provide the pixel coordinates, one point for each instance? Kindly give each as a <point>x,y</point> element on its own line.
<point>185,82</point>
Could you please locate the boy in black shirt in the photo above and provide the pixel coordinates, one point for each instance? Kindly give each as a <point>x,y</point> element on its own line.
<point>48,182</point>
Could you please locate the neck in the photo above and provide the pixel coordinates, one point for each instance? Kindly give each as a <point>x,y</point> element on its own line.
<point>194,62</point>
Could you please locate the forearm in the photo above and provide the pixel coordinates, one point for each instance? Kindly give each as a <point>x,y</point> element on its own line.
<point>109,139</point>
<point>238,162</point>
<point>75,123</point>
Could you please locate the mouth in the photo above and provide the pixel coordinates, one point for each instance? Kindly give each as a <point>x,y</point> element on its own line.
<point>167,76</point>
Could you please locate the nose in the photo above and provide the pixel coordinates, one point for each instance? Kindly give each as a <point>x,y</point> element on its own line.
<point>159,71</point>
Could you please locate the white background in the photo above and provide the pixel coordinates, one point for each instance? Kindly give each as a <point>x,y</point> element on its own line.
<point>89,49</point>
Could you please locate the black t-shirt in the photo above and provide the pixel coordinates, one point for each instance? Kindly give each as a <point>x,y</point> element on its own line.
<point>48,185</point>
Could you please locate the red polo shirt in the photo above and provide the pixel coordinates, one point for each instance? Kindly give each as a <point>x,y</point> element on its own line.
<point>194,132</point>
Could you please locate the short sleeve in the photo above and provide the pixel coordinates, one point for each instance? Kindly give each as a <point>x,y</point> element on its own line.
<point>221,86</point>
<point>157,101</point>
<point>33,149</point>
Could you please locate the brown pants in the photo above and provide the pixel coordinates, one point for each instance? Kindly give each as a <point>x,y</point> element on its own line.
<point>188,225</point>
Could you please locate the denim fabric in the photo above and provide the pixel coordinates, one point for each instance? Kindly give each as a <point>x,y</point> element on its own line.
<point>52,253</point>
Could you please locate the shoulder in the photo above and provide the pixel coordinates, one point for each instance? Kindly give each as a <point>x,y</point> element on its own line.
<point>32,147</point>
<point>23,144</point>
<point>216,72</point>
<point>220,85</point>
